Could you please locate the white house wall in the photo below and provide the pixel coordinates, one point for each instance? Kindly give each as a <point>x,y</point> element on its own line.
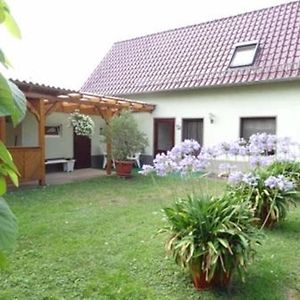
<point>62,146</point>
<point>228,105</point>
<point>29,131</point>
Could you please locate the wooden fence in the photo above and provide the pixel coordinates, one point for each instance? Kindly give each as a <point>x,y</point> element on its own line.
<point>30,162</point>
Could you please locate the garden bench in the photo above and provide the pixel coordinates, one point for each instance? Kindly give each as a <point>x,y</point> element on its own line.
<point>68,164</point>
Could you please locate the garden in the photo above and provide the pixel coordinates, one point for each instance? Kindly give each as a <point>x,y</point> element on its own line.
<point>98,240</point>
<point>235,236</point>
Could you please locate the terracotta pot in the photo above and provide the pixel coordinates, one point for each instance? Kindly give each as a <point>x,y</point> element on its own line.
<point>219,280</point>
<point>124,168</point>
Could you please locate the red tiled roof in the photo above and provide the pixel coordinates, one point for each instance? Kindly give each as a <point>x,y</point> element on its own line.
<point>199,55</point>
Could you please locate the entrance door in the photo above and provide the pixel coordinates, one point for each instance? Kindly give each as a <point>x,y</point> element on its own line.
<point>164,131</point>
<point>82,151</point>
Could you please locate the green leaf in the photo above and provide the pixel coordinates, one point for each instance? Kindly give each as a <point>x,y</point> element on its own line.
<point>6,158</point>
<point>19,101</point>
<point>12,25</point>
<point>13,101</point>
<point>13,177</point>
<point>3,59</point>
<point>8,225</point>
<point>2,185</point>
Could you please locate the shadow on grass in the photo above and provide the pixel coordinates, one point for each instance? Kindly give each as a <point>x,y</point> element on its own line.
<point>288,228</point>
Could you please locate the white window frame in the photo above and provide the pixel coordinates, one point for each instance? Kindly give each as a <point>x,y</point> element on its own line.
<point>241,45</point>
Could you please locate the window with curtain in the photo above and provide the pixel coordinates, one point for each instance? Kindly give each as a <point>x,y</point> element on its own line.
<point>192,129</point>
<point>255,125</point>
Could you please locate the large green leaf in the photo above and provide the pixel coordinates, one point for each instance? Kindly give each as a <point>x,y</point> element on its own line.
<point>8,225</point>
<point>12,101</point>
<point>6,158</point>
<point>19,101</point>
<point>9,21</point>
<point>3,59</point>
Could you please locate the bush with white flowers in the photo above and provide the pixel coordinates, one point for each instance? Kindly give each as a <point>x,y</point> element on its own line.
<point>82,124</point>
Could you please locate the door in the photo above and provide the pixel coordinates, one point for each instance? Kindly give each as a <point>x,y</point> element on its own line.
<point>164,131</point>
<point>192,129</point>
<point>82,151</point>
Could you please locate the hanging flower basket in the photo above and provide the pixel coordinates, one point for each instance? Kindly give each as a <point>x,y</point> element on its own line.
<point>82,124</point>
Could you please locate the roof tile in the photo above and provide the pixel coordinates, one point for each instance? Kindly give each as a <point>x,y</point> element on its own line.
<point>199,55</point>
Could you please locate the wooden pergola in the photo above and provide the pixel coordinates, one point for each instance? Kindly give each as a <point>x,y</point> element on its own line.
<point>43,100</point>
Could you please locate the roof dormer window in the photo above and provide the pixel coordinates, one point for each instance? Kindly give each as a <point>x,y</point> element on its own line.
<point>244,54</point>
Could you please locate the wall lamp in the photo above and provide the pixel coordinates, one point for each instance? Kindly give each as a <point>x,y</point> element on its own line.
<point>211,118</point>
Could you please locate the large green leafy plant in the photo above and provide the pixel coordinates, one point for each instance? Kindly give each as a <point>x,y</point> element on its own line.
<point>125,136</point>
<point>12,104</point>
<point>211,237</point>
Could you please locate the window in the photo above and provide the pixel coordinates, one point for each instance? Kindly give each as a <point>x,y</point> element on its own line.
<point>244,54</point>
<point>251,126</point>
<point>53,130</point>
<point>192,129</point>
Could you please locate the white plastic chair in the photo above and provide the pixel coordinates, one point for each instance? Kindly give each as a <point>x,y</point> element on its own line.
<point>105,161</point>
<point>136,158</point>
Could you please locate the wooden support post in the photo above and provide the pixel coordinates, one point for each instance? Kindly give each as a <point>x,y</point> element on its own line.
<point>41,139</point>
<point>107,117</point>
<point>109,156</point>
<point>2,129</point>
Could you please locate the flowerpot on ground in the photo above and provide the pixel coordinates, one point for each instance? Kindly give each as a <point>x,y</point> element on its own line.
<point>211,237</point>
<point>219,280</point>
<point>124,168</point>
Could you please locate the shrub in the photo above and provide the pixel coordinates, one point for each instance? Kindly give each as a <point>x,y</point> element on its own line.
<point>211,237</point>
<point>126,138</point>
<point>270,196</point>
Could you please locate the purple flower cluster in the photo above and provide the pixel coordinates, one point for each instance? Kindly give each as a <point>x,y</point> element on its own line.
<point>279,182</point>
<point>235,178</point>
<point>183,158</point>
<point>262,144</point>
<point>259,161</point>
<point>188,156</point>
<point>238,177</point>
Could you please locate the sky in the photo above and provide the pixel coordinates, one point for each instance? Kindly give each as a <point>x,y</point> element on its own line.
<point>64,40</point>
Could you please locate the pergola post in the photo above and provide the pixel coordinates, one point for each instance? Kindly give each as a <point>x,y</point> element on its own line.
<point>107,117</point>
<point>41,139</point>
<point>2,129</point>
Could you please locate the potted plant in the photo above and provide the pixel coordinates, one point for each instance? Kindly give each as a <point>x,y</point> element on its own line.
<point>126,140</point>
<point>269,195</point>
<point>211,238</point>
<point>82,124</point>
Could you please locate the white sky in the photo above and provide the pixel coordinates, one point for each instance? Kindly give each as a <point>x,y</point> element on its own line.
<point>64,40</point>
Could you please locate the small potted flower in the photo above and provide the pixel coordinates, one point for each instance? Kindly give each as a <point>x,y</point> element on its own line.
<point>269,195</point>
<point>126,140</point>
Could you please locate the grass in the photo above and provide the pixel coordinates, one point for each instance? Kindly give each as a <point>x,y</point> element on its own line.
<point>97,240</point>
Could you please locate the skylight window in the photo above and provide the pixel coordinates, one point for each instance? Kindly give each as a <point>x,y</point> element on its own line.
<point>244,54</point>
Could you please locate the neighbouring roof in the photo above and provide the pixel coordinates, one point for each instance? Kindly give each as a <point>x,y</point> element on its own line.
<point>199,55</point>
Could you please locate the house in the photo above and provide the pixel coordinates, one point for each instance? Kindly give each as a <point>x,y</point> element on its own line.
<point>45,134</point>
<point>215,81</point>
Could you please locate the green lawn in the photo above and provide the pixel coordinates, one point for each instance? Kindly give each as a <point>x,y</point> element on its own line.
<point>97,240</point>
